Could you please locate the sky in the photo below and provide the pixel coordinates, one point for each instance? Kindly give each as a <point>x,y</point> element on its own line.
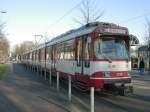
<point>26,18</point>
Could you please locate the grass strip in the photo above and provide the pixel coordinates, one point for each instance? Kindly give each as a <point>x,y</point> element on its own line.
<point>3,68</point>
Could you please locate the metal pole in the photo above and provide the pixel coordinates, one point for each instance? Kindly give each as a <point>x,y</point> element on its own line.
<point>41,72</point>
<point>32,69</point>
<point>69,87</point>
<point>45,73</point>
<point>37,69</point>
<point>12,69</point>
<point>57,81</point>
<point>50,77</point>
<point>92,99</point>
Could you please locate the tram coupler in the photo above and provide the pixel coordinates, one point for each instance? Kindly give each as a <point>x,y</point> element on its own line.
<point>125,89</point>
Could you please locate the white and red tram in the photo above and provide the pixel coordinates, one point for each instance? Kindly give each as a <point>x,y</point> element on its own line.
<point>96,54</point>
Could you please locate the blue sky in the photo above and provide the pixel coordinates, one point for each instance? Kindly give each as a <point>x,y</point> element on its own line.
<point>26,18</point>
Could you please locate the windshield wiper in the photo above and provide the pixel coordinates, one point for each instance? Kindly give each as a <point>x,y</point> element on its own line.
<point>109,60</point>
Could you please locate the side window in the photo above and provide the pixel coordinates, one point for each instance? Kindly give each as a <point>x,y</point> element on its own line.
<point>87,43</point>
<point>54,53</point>
<point>39,54</point>
<point>36,55</point>
<point>79,52</point>
<point>61,52</point>
<point>58,51</point>
<point>43,54</point>
<point>48,53</point>
<point>30,56</point>
<point>69,50</point>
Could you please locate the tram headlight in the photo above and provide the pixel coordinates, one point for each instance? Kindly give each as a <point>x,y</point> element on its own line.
<point>107,74</point>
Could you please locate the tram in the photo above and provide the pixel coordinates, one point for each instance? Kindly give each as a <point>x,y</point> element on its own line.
<point>95,55</point>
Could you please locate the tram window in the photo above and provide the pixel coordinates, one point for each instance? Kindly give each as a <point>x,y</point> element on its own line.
<point>110,48</point>
<point>53,53</point>
<point>30,56</point>
<point>27,56</point>
<point>39,56</point>
<point>56,53</point>
<point>68,50</point>
<point>79,52</point>
<point>48,53</point>
<point>59,52</point>
<point>34,56</point>
<point>43,54</point>
<point>86,53</point>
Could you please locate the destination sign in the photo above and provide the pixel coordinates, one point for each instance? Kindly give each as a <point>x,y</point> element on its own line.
<point>110,30</point>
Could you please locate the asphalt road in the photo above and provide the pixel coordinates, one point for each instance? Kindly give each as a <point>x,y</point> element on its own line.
<point>139,101</point>
<point>21,91</point>
<point>25,91</point>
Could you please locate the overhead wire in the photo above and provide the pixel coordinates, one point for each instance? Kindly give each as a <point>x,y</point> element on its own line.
<point>63,16</point>
<point>136,17</point>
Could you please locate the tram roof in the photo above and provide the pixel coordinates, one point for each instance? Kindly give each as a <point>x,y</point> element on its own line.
<point>86,29</point>
<point>71,34</point>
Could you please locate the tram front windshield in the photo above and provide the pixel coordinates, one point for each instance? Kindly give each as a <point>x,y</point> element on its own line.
<point>110,48</point>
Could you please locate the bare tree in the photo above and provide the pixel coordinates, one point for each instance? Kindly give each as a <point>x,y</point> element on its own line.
<point>146,38</point>
<point>149,41</point>
<point>4,48</point>
<point>89,12</point>
<point>2,26</point>
<point>4,44</point>
<point>19,49</point>
<point>148,32</point>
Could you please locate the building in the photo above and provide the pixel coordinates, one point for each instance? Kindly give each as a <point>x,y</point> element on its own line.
<point>134,45</point>
<point>134,57</point>
<point>144,52</point>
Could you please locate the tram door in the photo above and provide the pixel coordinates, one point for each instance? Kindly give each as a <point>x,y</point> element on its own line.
<point>82,56</point>
<point>79,54</point>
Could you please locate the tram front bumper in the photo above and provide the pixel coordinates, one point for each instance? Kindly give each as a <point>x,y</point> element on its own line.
<point>117,81</point>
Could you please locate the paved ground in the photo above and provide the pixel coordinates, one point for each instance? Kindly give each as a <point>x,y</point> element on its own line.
<point>20,91</point>
<point>24,91</point>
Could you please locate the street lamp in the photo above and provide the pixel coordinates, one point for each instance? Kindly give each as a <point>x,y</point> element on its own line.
<point>3,11</point>
<point>36,44</point>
